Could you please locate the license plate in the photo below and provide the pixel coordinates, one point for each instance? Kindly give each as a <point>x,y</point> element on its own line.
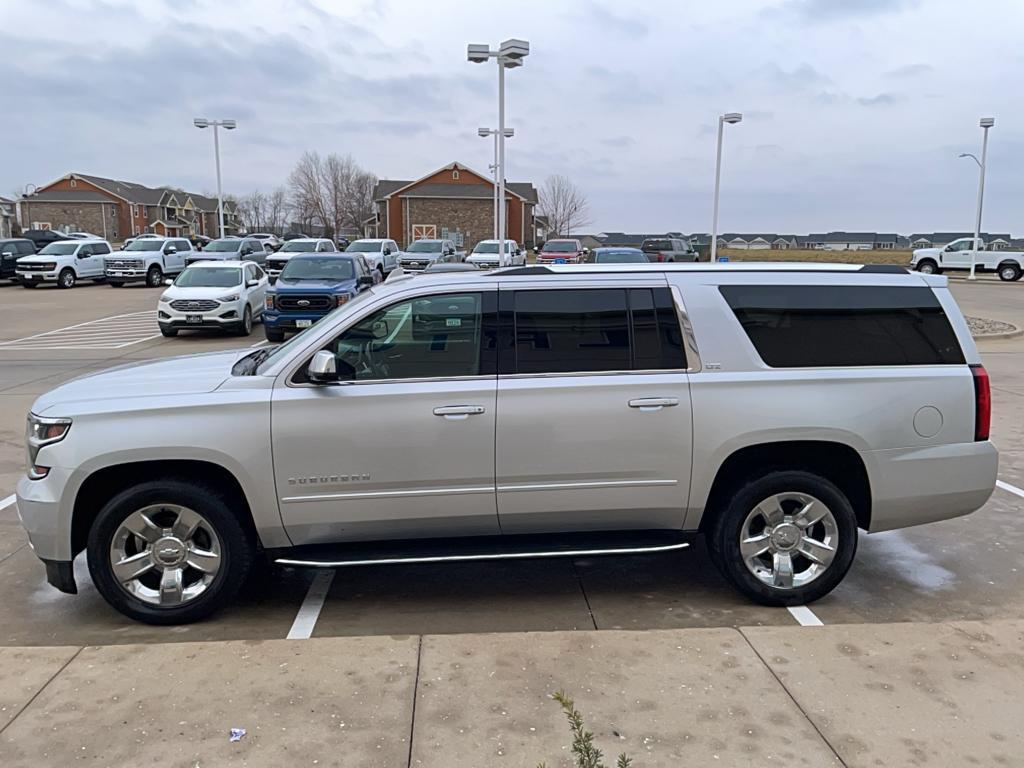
<point>116,274</point>
<point>559,261</point>
<point>193,318</point>
<point>303,323</point>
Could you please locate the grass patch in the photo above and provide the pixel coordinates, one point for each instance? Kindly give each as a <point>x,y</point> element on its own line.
<point>902,258</point>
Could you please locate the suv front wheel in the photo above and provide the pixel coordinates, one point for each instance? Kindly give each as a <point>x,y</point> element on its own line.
<point>169,551</point>
<point>787,538</point>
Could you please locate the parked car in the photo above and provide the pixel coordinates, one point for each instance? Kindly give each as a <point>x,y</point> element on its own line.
<point>745,422</point>
<point>294,236</point>
<point>422,252</point>
<point>310,286</point>
<point>269,240</point>
<point>618,256</point>
<point>84,236</point>
<point>64,262</point>
<point>11,250</point>
<point>226,295</point>
<point>144,236</point>
<point>343,243</point>
<point>276,262</point>
<point>199,241</point>
<point>561,251</point>
<point>1009,265</point>
<point>668,249</point>
<point>381,254</point>
<point>231,249</point>
<point>43,237</point>
<point>149,259</point>
<point>485,254</point>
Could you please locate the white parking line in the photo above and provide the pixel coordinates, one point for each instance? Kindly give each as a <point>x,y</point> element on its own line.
<point>1010,488</point>
<point>260,343</point>
<point>309,611</point>
<point>805,616</point>
<point>5,503</point>
<point>114,332</point>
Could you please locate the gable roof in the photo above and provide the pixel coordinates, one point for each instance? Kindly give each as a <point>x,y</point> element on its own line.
<point>69,196</point>
<point>390,187</point>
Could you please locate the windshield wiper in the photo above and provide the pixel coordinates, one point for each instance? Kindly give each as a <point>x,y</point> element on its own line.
<point>247,365</point>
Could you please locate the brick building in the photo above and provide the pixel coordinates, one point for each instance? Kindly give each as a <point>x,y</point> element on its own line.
<point>119,209</point>
<point>454,201</point>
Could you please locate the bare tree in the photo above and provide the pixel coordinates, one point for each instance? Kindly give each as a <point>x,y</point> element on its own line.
<point>253,210</point>
<point>308,188</point>
<point>278,210</point>
<point>564,205</point>
<point>332,191</point>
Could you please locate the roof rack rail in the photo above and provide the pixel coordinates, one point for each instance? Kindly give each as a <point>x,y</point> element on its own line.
<point>531,270</point>
<point>884,269</point>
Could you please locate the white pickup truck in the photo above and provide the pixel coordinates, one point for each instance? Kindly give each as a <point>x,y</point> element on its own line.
<point>1009,265</point>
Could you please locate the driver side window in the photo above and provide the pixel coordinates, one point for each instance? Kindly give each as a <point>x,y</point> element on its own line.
<point>426,337</point>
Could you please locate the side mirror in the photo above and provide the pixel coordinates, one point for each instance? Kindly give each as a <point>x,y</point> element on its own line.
<point>168,281</point>
<point>323,368</point>
<point>170,249</point>
<point>387,251</point>
<point>365,280</point>
<point>252,283</point>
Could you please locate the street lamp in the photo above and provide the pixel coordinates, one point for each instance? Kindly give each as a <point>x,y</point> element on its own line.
<point>732,118</point>
<point>985,123</point>
<point>484,133</point>
<point>510,54</point>
<point>229,125</point>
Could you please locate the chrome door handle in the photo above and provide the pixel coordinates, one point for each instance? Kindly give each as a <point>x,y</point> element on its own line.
<point>653,403</point>
<point>458,412</point>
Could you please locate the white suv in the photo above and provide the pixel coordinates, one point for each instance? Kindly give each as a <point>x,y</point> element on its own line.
<point>64,262</point>
<point>276,261</point>
<point>380,254</point>
<point>775,409</point>
<point>485,254</point>
<point>226,295</point>
<point>148,259</point>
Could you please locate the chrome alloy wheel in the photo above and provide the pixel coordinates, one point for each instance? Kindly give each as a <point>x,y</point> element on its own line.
<point>165,555</point>
<point>789,540</point>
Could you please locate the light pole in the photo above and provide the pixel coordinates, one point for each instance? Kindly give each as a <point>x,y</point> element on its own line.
<point>985,123</point>
<point>229,125</point>
<point>509,54</point>
<point>484,133</point>
<point>732,118</point>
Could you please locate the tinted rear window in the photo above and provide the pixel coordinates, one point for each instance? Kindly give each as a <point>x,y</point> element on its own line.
<point>656,245</point>
<point>800,326</point>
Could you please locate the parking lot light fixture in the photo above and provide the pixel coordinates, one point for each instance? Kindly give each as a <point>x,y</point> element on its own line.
<point>484,133</point>
<point>510,54</point>
<point>228,125</point>
<point>732,118</point>
<point>985,123</point>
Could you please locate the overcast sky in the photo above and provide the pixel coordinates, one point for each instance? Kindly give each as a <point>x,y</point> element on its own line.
<point>854,110</point>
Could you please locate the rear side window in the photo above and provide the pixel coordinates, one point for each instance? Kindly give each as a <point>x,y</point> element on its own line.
<point>653,246</point>
<point>801,326</point>
<point>569,331</point>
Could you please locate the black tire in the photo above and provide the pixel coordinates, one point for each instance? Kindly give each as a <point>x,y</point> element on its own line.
<point>115,283</point>
<point>245,327</point>
<point>220,511</point>
<point>1009,272</point>
<point>154,276</point>
<point>169,332</point>
<point>66,278</point>
<point>928,267</point>
<point>273,334</point>
<point>725,533</point>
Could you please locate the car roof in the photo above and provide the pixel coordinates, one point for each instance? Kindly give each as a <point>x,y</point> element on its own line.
<point>492,240</point>
<point>616,248</point>
<point>310,240</point>
<point>220,263</point>
<point>326,254</point>
<point>371,240</point>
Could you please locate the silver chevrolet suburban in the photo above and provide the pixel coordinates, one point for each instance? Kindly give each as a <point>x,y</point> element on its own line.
<point>775,409</point>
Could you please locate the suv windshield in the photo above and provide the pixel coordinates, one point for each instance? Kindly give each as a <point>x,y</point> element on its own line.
<point>363,247</point>
<point>624,256</point>
<point>222,246</point>
<point>322,268</point>
<point>59,249</point>
<point>209,277</point>
<point>425,246</point>
<point>148,244</point>
<point>491,248</point>
<point>656,245</point>
<point>298,246</point>
<point>559,247</point>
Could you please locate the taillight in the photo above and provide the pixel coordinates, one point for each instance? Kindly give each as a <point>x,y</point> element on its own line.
<point>982,402</point>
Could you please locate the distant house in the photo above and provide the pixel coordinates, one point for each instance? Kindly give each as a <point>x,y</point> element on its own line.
<point>7,217</point>
<point>750,241</point>
<point>852,241</point>
<point>118,209</point>
<point>998,241</point>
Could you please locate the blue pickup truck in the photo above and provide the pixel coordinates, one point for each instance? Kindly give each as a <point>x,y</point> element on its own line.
<point>310,286</point>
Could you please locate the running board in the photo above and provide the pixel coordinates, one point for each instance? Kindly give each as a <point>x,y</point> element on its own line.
<point>481,549</point>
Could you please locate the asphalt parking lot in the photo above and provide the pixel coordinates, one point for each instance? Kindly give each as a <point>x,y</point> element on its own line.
<point>961,569</point>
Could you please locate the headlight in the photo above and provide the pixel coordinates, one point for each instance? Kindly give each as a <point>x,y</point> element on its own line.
<point>42,431</point>
<point>165,298</point>
<point>269,302</point>
<point>232,297</point>
<point>341,299</point>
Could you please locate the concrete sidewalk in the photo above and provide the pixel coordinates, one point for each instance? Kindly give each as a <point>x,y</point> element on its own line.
<point>855,695</point>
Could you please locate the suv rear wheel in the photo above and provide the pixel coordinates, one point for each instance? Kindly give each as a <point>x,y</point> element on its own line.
<point>787,538</point>
<point>169,551</point>
<point>1009,272</point>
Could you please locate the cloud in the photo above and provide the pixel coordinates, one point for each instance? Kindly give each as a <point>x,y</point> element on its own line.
<point>909,70</point>
<point>804,76</point>
<point>605,19</point>
<point>618,141</point>
<point>826,11</point>
<point>881,100</point>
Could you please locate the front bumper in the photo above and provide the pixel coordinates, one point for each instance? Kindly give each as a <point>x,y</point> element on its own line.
<point>555,260</point>
<point>417,265</point>
<point>36,277</point>
<point>125,275</point>
<point>226,315</point>
<point>286,321</point>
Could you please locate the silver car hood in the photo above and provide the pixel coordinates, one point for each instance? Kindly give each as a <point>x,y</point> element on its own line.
<point>187,375</point>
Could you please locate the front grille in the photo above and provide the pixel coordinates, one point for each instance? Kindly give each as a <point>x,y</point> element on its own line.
<point>304,303</point>
<point>123,263</point>
<point>415,263</point>
<point>36,267</point>
<point>189,305</point>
